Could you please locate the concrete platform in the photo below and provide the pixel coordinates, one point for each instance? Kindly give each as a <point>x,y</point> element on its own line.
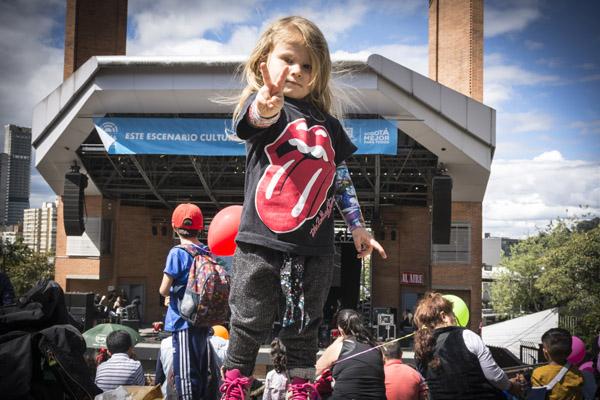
<point>147,353</point>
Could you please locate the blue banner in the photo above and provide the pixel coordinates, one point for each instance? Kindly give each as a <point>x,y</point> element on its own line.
<point>214,137</point>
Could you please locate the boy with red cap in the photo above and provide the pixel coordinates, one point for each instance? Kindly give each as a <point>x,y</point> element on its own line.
<point>189,342</point>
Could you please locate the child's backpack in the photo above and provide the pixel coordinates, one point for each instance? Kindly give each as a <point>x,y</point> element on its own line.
<point>206,298</point>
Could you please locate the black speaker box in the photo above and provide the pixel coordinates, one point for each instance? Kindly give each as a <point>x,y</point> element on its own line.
<point>384,310</point>
<point>76,299</point>
<point>386,332</point>
<point>81,307</point>
<point>442,209</point>
<point>75,183</point>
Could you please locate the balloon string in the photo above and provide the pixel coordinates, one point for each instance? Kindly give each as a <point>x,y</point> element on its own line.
<point>373,348</point>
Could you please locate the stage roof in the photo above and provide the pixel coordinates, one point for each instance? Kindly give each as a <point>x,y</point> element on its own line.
<point>436,125</point>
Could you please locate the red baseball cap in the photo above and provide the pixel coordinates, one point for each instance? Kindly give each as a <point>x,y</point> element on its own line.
<point>187,216</point>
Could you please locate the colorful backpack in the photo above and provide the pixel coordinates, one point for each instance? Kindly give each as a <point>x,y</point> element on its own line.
<point>206,298</point>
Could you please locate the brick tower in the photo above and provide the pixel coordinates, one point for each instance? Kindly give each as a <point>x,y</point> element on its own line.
<point>93,28</point>
<point>456,45</point>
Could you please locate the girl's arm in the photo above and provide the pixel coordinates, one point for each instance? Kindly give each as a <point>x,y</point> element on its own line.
<point>329,356</point>
<point>347,202</point>
<point>264,110</point>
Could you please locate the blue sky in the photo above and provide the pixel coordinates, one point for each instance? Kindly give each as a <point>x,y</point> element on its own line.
<point>542,75</point>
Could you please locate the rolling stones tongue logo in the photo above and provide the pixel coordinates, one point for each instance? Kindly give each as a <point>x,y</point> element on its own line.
<point>295,185</point>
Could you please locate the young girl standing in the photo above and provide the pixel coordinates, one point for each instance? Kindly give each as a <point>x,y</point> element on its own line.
<point>295,174</point>
<point>276,380</point>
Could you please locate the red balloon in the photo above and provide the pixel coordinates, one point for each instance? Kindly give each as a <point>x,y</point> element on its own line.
<point>223,229</point>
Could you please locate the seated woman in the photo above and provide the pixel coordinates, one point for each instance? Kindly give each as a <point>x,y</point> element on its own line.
<point>455,362</point>
<point>357,368</point>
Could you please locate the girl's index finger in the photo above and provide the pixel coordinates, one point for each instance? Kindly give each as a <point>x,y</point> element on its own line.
<point>266,76</point>
<point>282,77</point>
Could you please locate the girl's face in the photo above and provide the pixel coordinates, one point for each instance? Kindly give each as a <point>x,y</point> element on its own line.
<point>296,57</point>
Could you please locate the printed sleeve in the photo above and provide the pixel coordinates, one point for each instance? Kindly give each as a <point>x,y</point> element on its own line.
<point>345,198</point>
<point>174,266</point>
<point>490,369</point>
<point>344,147</point>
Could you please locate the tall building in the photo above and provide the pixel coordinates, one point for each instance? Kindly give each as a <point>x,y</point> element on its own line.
<point>4,174</point>
<point>15,171</point>
<point>39,228</point>
<point>493,248</point>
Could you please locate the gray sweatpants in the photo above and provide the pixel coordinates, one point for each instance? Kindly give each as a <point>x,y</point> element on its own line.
<point>255,300</point>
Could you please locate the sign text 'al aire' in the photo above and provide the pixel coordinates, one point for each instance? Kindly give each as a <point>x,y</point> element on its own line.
<point>412,278</point>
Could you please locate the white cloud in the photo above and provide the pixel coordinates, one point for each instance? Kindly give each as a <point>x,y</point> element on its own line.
<point>501,79</point>
<point>525,195</point>
<point>529,121</point>
<point>591,127</point>
<point>335,18</point>
<point>553,62</point>
<point>588,66</point>
<point>591,78</point>
<point>179,27</point>
<point>414,57</point>
<point>511,16</point>
<point>32,65</point>
<point>533,45</point>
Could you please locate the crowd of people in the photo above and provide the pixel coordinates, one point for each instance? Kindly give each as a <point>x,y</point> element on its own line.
<point>452,362</point>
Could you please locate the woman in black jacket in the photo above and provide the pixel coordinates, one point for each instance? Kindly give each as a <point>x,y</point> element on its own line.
<point>455,362</point>
<point>356,366</point>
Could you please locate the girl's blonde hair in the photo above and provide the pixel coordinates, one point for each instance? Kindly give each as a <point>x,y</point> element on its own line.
<point>292,29</point>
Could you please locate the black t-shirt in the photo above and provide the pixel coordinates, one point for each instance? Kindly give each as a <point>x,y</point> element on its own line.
<point>290,171</point>
<point>359,377</point>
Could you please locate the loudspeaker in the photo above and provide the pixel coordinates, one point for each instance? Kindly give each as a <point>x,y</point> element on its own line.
<point>75,183</point>
<point>442,209</point>
<point>351,269</point>
<point>386,332</point>
<point>81,307</point>
<point>345,288</point>
<point>385,319</point>
<point>388,311</point>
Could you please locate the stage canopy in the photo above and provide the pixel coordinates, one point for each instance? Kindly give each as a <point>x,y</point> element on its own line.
<point>155,131</point>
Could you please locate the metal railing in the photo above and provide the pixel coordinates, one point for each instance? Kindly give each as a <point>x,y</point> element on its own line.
<point>531,353</point>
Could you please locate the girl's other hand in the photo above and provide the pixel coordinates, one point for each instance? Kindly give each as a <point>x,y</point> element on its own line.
<point>269,99</point>
<point>365,243</point>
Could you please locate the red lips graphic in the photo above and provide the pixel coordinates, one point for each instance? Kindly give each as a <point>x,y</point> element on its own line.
<point>295,185</point>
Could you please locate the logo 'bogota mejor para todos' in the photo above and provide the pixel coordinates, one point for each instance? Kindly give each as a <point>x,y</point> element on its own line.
<point>110,128</point>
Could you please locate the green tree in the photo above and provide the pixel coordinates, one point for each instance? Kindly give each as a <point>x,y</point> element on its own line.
<point>558,267</point>
<point>25,267</point>
<point>572,278</point>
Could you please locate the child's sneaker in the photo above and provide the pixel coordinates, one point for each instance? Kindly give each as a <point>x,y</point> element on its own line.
<point>235,385</point>
<point>302,389</point>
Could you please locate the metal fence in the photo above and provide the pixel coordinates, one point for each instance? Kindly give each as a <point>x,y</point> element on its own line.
<point>568,322</point>
<point>531,353</point>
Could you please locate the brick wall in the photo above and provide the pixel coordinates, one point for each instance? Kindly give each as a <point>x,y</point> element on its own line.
<point>75,265</point>
<point>408,253</point>
<point>464,280</point>
<point>93,28</point>
<point>137,256</point>
<point>456,45</point>
<point>411,252</point>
